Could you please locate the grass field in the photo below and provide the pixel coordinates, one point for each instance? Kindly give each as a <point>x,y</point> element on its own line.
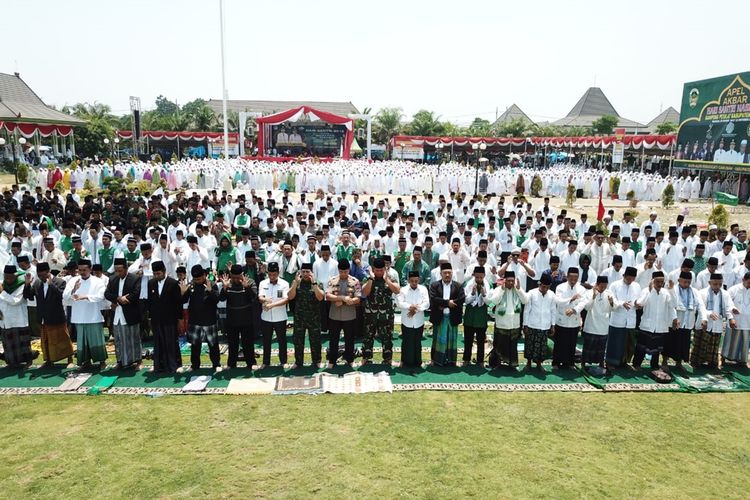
<point>427,444</point>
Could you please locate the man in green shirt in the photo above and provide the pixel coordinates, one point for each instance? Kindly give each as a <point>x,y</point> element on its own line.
<point>132,253</point>
<point>428,256</point>
<point>107,253</point>
<point>416,264</point>
<point>476,316</point>
<point>345,249</point>
<point>379,290</point>
<point>401,256</point>
<point>226,254</point>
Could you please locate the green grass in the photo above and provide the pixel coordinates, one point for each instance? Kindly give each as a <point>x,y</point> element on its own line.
<point>426,444</point>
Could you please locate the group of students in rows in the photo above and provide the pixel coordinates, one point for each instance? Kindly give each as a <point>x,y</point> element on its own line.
<point>182,267</point>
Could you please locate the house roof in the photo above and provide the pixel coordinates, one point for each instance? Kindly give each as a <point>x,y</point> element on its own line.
<point>271,107</point>
<point>511,113</point>
<point>669,115</point>
<point>18,103</point>
<point>592,106</point>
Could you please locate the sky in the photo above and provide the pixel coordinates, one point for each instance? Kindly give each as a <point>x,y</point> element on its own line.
<point>458,59</point>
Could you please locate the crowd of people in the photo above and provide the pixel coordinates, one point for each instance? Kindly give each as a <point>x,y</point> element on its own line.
<point>394,177</point>
<point>134,265</point>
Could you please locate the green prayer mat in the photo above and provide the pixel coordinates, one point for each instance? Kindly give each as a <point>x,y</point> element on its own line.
<point>102,385</point>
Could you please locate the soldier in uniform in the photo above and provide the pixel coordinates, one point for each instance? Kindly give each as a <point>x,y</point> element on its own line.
<point>379,290</point>
<point>308,294</point>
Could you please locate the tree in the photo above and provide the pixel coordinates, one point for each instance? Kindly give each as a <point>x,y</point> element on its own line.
<point>100,125</point>
<point>200,116</point>
<point>605,125</point>
<point>452,130</point>
<point>166,107</point>
<point>386,124</point>
<point>479,128</point>
<point>425,123</point>
<point>516,127</point>
<point>666,128</point>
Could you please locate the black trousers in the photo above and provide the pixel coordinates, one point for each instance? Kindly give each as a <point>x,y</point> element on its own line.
<point>470,333</point>
<point>213,353</point>
<point>237,335</point>
<point>268,329</point>
<point>336,327</point>
<point>325,309</point>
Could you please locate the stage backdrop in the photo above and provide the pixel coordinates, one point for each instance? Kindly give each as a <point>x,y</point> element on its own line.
<point>323,129</point>
<point>715,124</point>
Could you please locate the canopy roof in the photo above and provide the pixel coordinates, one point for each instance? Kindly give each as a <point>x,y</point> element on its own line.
<point>662,142</point>
<point>19,104</point>
<point>160,135</point>
<point>592,106</point>
<point>512,113</point>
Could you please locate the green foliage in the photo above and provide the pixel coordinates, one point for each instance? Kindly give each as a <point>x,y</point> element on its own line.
<point>536,186</point>
<point>719,216</point>
<point>630,195</point>
<point>516,127</point>
<point>604,125</point>
<point>165,107</point>
<point>614,185</point>
<point>666,128</point>
<point>115,184</point>
<point>667,196</point>
<point>570,195</point>
<point>59,186</point>
<point>157,159</point>
<point>100,125</point>
<point>23,173</point>
<point>386,124</point>
<point>425,123</point>
<point>479,128</point>
<point>601,226</point>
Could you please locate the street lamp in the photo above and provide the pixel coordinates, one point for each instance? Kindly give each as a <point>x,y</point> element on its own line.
<point>21,141</point>
<point>477,147</point>
<point>117,146</point>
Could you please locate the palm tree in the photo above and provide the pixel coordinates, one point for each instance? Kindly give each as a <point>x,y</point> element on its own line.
<point>386,124</point>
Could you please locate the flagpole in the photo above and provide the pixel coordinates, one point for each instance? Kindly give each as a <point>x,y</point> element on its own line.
<point>224,82</point>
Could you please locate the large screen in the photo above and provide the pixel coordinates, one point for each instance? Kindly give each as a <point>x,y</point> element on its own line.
<point>715,124</point>
<point>309,139</point>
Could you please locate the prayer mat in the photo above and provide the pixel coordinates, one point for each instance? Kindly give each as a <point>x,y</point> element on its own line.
<point>254,385</point>
<point>197,383</point>
<point>701,381</point>
<point>73,381</point>
<point>298,385</point>
<point>357,383</point>
<point>102,385</point>
<point>627,380</point>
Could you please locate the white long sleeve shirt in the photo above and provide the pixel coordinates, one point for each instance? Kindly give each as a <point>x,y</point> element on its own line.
<point>599,310</point>
<point>658,310</point>
<point>563,294</point>
<point>719,303</point>
<point>413,296</point>
<point>690,313</point>
<point>89,310</point>
<point>540,311</point>
<point>741,298</point>
<point>508,319</point>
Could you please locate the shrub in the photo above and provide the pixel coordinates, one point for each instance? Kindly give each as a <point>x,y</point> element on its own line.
<point>614,185</point>
<point>719,216</point>
<point>570,195</point>
<point>630,195</point>
<point>667,196</point>
<point>601,226</point>
<point>22,173</point>
<point>536,186</point>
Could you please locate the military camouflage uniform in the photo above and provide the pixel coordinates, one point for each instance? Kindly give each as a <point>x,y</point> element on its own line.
<point>306,318</point>
<point>379,320</point>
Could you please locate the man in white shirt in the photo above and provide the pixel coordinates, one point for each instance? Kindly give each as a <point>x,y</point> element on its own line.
<point>539,321</point>
<point>735,346</point>
<point>507,300</point>
<point>719,313</point>
<point>413,300</point>
<point>598,304</point>
<point>691,313</point>
<point>659,315</point>
<point>84,294</point>
<point>570,298</point>
<point>272,294</point>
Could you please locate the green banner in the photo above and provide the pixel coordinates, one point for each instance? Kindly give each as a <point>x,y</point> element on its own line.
<point>715,124</point>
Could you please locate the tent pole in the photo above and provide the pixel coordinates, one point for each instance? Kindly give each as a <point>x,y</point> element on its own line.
<point>671,158</point>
